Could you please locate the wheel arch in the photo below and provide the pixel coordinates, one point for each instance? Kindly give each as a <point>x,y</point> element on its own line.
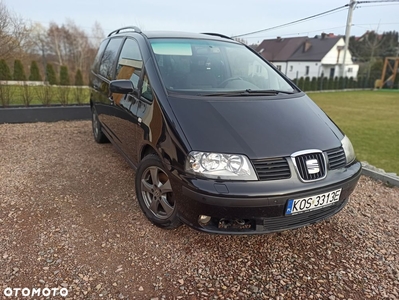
<point>146,150</point>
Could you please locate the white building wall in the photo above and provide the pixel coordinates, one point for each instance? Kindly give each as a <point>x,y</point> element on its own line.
<point>335,56</point>
<point>298,69</point>
<point>280,65</point>
<point>332,60</point>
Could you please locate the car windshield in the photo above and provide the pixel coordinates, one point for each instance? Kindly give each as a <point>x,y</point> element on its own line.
<point>209,67</point>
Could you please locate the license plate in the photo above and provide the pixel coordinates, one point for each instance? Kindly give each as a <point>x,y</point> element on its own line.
<point>297,206</point>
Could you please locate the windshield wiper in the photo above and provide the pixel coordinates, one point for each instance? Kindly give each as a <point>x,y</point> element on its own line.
<point>248,92</point>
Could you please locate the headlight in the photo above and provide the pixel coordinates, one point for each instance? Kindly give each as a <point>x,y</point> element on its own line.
<point>348,149</point>
<point>220,166</point>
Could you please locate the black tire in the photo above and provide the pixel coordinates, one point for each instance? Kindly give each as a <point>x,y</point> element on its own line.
<point>98,134</point>
<point>154,193</point>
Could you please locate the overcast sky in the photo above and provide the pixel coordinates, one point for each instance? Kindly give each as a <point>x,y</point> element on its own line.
<point>227,17</point>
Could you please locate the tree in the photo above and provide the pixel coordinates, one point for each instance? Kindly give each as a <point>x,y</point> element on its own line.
<point>64,76</point>
<point>50,74</point>
<point>313,84</point>
<point>78,78</point>
<point>372,47</point>
<point>5,73</point>
<point>71,47</point>
<point>34,72</point>
<point>13,33</point>
<point>97,35</point>
<point>307,84</point>
<point>19,73</point>
<point>301,83</point>
<point>39,43</point>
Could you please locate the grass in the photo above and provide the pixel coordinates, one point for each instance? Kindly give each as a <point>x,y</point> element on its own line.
<point>57,95</point>
<point>371,121</point>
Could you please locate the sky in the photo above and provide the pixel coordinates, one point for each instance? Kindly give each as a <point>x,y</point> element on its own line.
<point>231,17</point>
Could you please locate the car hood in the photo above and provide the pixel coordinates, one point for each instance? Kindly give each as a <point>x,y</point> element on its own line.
<point>259,127</point>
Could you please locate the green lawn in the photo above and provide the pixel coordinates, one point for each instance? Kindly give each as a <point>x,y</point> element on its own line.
<point>371,121</point>
<point>57,95</point>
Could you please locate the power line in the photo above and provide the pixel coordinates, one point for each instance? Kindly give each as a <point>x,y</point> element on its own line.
<point>375,1</point>
<point>294,22</point>
<point>298,33</point>
<point>388,4</point>
<point>391,2</point>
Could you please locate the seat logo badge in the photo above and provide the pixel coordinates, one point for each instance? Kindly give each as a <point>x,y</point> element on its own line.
<point>313,166</point>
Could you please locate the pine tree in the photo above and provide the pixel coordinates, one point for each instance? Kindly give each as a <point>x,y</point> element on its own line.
<point>78,78</point>
<point>34,72</point>
<point>306,84</point>
<point>51,78</point>
<point>19,73</point>
<point>301,83</point>
<point>5,73</point>
<point>64,77</point>
<point>313,84</point>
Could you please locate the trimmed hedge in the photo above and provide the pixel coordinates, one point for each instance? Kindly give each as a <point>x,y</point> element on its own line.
<point>5,73</point>
<point>34,72</point>
<point>19,73</point>
<point>50,74</point>
<point>337,83</point>
<point>64,76</point>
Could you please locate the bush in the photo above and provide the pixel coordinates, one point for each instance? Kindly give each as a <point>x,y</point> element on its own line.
<point>6,93</point>
<point>19,73</point>
<point>331,83</point>
<point>301,83</point>
<point>64,77</point>
<point>5,73</point>
<point>27,95</point>
<point>396,82</point>
<point>34,72</point>
<point>313,84</point>
<point>78,78</point>
<point>307,84</point>
<point>50,74</point>
<point>341,83</point>
<point>324,83</point>
<point>336,83</point>
<point>44,93</point>
<point>63,95</point>
<point>351,83</point>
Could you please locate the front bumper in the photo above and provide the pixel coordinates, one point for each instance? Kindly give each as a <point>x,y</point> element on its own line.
<point>258,207</point>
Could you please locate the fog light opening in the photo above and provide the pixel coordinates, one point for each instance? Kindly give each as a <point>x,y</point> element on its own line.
<point>240,222</point>
<point>204,220</point>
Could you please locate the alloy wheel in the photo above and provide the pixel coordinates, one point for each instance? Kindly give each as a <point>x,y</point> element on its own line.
<point>157,192</point>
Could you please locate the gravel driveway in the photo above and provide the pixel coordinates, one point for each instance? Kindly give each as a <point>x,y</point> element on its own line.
<point>69,219</point>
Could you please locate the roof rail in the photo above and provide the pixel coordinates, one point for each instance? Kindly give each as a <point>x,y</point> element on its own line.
<point>217,34</point>
<point>135,28</point>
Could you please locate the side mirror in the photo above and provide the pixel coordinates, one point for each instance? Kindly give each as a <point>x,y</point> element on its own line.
<point>122,86</point>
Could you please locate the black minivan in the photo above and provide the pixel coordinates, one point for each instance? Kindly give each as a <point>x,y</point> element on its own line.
<point>220,139</point>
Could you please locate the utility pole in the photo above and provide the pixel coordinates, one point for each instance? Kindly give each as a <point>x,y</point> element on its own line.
<point>352,5</point>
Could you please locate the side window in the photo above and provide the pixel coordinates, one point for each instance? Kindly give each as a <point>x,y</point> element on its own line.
<point>130,62</point>
<point>109,58</point>
<point>99,55</point>
<point>146,90</point>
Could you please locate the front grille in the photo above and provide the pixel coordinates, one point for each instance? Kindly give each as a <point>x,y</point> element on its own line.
<point>304,170</point>
<point>336,158</point>
<point>272,168</point>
